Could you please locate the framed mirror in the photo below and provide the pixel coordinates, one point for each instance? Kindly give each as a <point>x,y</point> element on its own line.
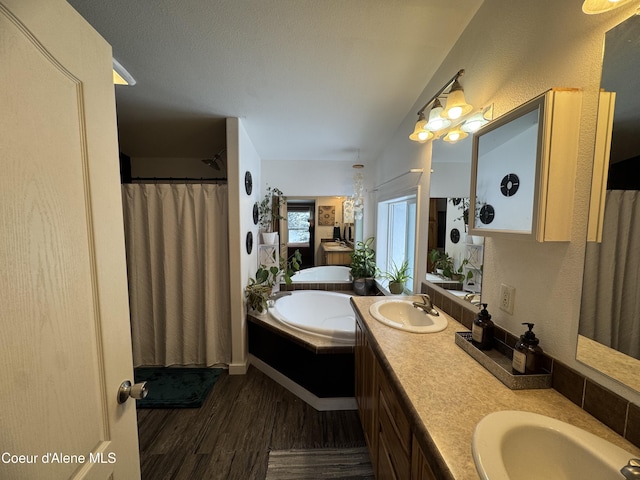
<point>609,331</point>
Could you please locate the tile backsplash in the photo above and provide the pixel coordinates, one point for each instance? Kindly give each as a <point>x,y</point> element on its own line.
<point>614,411</point>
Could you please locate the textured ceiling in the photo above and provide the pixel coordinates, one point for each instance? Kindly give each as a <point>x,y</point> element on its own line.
<point>311,80</point>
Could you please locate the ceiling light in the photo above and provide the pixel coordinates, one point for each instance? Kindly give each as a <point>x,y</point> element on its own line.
<point>456,106</point>
<point>120,74</point>
<point>436,121</point>
<point>592,7</point>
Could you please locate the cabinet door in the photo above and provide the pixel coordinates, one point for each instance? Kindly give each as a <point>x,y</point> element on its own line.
<point>524,168</point>
<point>420,469</point>
<point>366,391</point>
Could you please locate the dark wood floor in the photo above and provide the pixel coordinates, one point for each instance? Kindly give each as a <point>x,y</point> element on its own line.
<point>230,436</point>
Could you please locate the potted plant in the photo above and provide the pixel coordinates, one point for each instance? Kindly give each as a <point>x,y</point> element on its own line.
<point>442,263</point>
<point>363,267</point>
<point>260,288</point>
<point>269,211</point>
<point>397,277</point>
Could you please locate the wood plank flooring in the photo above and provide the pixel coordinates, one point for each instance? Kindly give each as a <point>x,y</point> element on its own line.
<point>230,436</point>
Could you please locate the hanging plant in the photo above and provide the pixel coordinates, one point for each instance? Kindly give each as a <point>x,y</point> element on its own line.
<point>268,210</point>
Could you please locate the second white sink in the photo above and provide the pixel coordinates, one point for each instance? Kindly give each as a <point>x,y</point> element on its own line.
<point>514,445</point>
<point>401,314</point>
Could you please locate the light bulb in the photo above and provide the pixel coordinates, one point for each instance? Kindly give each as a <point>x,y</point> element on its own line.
<point>455,112</point>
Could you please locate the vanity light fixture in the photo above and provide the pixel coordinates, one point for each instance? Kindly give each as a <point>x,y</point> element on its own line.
<point>456,106</point>
<point>440,118</point>
<point>455,135</point>
<point>592,7</point>
<point>478,120</point>
<point>420,133</point>
<point>436,120</point>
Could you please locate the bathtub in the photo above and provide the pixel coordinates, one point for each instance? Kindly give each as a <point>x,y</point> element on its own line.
<point>324,314</point>
<point>328,274</point>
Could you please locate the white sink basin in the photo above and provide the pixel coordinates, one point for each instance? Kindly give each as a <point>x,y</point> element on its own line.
<point>403,315</point>
<point>513,445</point>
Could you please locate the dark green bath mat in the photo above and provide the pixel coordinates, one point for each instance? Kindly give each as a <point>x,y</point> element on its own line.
<point>176,387</point>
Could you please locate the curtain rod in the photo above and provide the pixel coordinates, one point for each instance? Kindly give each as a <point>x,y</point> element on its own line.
<point>413,170</point>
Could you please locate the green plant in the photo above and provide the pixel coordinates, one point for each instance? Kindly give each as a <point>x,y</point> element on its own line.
<point>397,277</point>
<point>398,274</point>
<point>363,260</point>
<point>442,261</point>
<point>268,210</point>
<point>259,289</point>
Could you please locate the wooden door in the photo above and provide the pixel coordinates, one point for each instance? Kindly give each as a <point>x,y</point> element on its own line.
<point>65,344</point>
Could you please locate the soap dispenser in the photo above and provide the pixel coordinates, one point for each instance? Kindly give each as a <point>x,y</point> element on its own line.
<point>527,353</point>
<point>482,330</point>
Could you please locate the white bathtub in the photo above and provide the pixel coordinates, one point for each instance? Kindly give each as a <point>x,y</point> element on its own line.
<point>326,274</point>
<point>324,314</point>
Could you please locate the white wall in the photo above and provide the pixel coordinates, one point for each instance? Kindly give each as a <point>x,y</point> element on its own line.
<point>309,178</point>
<point>241,157</point>
<point>512,52</point>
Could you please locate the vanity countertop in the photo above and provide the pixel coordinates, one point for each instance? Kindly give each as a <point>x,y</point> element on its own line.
<point>448,392</point>
<point>336,247</point>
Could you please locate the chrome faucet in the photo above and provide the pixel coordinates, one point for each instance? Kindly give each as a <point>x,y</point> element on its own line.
<point>426,305</point>
<point>473,298</point>
<point>632,469</point>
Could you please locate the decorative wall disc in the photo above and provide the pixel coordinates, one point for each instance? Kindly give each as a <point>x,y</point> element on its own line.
<point>248,183</point>
<point>455,235</point>
<point>249,242</point>
<point>255,213</point>
<point>456,201</point>
<point>509,185</point>
<point>487,213</point>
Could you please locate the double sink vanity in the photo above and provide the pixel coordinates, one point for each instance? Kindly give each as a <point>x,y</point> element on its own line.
<point>428,408</point>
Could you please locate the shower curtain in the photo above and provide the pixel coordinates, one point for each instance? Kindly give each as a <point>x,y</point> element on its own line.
<point>610,311</point>
<point>178,269</point>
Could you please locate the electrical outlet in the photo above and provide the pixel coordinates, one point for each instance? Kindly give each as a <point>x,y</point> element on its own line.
<point>507,298</point>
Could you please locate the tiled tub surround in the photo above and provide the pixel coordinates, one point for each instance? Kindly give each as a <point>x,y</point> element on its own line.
<point>446,393</point>
<point>614,411</point>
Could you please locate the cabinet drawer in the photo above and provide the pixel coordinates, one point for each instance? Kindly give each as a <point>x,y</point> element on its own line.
<point>390,443</point>
<point>397,415</point>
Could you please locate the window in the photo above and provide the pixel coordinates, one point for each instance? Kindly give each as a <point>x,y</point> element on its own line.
<point>298,222</point>
<point>396,232</point>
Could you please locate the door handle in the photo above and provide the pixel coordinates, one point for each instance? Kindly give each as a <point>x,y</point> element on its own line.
<point>127,390</point>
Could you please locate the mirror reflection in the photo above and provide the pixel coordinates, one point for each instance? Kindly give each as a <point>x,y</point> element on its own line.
<point>323,229</point>
<point>610,309</point>
<point>455,257</point>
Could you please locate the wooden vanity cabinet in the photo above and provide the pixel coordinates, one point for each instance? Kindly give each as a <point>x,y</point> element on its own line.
<point>394,451</point>
<point>365,390</point>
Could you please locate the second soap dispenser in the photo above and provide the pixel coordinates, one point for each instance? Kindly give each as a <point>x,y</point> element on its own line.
<point>527,353</point>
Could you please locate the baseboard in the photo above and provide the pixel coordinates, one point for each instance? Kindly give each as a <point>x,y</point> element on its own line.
<point>320,404</point>
<point>238,368</point>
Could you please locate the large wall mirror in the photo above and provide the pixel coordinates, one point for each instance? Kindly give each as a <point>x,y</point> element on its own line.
<point>609,332</point>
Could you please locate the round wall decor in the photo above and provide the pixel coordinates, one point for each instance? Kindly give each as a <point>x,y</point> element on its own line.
<point>255,213</point>
<point>455,235</point>
<point>248,182</point>
<point>509,185</point>
<point>487,214</point>
<point>249,242</point>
